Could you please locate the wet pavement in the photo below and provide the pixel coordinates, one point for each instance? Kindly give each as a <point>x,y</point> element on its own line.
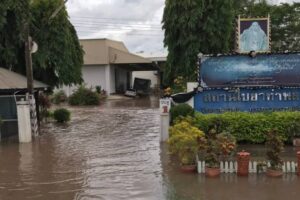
<point>112,152</point>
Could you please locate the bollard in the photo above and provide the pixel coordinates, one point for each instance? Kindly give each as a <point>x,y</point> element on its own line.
<point>164,126</point>
<point>243,159</point>
<point>298,167</point>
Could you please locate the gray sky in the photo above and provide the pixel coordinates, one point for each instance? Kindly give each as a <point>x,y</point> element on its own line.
<point>135,22</point>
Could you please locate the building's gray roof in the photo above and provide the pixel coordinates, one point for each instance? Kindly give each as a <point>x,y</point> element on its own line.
<point>10,80</point>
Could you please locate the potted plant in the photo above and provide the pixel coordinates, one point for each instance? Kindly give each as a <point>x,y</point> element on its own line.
<point>184,142</point>
<point>218,146</point>
<point>275,146</point>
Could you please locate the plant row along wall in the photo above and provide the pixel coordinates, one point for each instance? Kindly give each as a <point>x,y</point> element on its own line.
<point>251,127</point>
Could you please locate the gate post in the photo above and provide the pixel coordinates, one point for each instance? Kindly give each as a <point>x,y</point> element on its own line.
<point>24,122</point>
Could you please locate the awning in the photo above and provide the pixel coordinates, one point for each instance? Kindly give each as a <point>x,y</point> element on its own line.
<point>13,81</point>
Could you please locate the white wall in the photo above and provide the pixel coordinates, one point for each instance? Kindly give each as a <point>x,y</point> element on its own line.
<point>93,76</point>
<point>146,75</point>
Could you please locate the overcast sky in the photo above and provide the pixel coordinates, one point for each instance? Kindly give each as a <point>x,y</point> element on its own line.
<point>135,22</point>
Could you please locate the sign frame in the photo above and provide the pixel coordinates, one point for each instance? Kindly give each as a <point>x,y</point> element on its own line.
<point>243,24</point>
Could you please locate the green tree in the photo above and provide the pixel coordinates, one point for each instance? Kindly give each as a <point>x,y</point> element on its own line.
<point>60,56</point>
<point>285,26</point>
<point>193,26</point>
<point>12,14</point>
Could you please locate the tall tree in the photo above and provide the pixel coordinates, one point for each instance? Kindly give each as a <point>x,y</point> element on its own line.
<point>60,56</point>
<point>12,14</point>
<point>191,27</point>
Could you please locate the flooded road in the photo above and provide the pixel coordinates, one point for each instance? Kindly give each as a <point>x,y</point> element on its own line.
<point>112,152</point>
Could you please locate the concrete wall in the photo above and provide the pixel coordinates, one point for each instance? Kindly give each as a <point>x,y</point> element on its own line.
<point>96,75</point>
<point>146,75</point>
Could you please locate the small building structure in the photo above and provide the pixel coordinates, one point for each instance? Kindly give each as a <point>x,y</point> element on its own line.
<point>109,64</point>
<point>13,86</point>
<point>155,76</point>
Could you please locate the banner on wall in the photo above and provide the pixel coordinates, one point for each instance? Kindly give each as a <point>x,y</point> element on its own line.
<point>244,71</point>
<point>251,100</point>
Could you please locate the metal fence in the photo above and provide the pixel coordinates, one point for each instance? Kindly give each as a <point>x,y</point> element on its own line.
<point>254,166</point>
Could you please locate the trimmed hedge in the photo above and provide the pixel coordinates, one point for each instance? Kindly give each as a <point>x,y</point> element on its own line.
<point>251,127</point>
<point>182,110</point>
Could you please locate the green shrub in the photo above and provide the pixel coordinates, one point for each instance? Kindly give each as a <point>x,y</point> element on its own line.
<point>83,97</point>
<point>59,97</point>
<point>185,141</point>
<point>251,127</point>
<point>98,89</point>
<point>182,110</point>
<point>62,115</point>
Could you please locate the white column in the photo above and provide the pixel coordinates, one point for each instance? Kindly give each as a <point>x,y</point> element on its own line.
<point>24,123</point>
<point>164,126</point>
<point>107,79</point>
<point>190,88</point>
<point>164,108</point>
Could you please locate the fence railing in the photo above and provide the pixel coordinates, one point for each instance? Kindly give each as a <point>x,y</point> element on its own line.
<point>254,166</point>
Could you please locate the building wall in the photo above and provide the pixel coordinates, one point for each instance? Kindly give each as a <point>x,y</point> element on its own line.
<point>146,75</point>
<point>93,76</point>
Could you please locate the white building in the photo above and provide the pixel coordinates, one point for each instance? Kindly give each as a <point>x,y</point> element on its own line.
<point>109,64</point>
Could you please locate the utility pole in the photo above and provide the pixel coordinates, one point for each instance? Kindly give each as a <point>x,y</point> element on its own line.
<point>28,59</point>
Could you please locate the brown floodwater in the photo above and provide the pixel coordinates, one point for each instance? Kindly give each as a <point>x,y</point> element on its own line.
<point>112,152</point>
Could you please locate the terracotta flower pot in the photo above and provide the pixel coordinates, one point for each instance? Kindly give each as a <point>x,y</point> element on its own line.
<point>212,171</point>
<point>188,168</point>
<point>243,163</point>
<point>274,173</point>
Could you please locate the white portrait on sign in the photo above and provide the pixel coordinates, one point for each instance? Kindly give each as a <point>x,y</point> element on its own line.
<point>254,39</point>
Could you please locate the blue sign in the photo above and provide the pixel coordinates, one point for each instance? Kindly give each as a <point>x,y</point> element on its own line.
<point>251,100</point>
<point>244,71</point>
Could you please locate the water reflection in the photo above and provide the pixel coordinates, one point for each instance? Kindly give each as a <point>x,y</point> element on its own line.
<point>112,152</point>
